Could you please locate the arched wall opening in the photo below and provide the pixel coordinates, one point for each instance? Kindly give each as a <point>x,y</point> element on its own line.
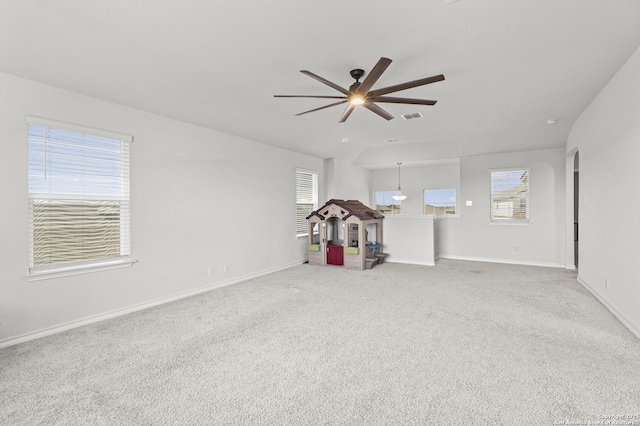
<point>572,212</point>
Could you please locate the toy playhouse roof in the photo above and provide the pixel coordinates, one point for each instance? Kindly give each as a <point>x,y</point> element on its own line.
<point>348,208</point>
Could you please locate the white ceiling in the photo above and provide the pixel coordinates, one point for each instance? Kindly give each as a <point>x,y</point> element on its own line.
<point>509,65</point>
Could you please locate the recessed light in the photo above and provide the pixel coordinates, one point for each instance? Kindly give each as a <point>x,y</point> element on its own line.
<point>551,121</point>
<point>345,140</point>
<point>392,140</point>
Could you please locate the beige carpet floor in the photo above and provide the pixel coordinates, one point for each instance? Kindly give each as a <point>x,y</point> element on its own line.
<point>461,343</point>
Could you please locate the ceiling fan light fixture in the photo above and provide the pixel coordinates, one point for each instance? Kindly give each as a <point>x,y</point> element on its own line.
<point>361,93</point>
<point>356,100</point>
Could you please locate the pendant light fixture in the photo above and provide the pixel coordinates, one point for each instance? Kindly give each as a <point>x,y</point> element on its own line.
<point>399,197</point>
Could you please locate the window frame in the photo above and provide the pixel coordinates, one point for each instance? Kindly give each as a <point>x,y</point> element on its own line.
<point>444,190</point>
<point>510,195</point>
<point>393,202</point>
<point>312,200</point>
<point>39,196</point>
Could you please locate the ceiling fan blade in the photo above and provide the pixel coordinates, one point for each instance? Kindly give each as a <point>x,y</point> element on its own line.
<point>347,112</point>
<point>323,107</point>
<point>324,81</point>
<point>405,86</point>
<point>310,96</point>
<point>375,108</point>
<point>374,75</point>
<point>392,100</point>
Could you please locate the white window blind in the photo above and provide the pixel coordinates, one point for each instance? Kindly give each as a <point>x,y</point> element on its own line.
<point>79,204</point>
<point>306,198</point>
<point>510,195</point>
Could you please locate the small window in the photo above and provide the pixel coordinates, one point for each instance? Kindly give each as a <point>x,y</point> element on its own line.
<point>510,195</point>
<point>385,203</point>
<point>78,197</point>
<point>306,199</point>
<point>439,202</point>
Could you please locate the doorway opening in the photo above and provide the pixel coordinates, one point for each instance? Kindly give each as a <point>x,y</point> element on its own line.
<point>576,204</point>
<point>335,241</point>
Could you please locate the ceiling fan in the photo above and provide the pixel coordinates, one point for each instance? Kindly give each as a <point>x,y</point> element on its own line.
<point>360,93</point>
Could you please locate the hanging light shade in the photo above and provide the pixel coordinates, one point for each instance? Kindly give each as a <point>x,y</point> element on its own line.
<point>399,197</point>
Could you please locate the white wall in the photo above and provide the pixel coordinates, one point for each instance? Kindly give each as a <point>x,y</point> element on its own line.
<point>473,237</point>
<point>346,181</point>
<point>409,239</point>
<point>200,198</point>
<point>607,137</point>
<point>414,180</point>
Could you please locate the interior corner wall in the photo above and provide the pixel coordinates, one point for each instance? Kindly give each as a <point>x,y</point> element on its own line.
<point>347,182</point>
<point>329,182</point>
<point>414,180</point>
<point>607,138</point>
<point>411,237</point>
<point>473,237</point>
<point>199,199</point>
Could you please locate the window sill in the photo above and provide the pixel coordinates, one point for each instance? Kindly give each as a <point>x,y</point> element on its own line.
<point>447,216</point>
<point>510,223</point>
<point>79,269</point>
<point>298,236</point>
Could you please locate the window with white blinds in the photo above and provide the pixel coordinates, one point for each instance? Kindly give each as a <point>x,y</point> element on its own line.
<point>306,199</point>
<point>510,195</point>
<point>79,202</point>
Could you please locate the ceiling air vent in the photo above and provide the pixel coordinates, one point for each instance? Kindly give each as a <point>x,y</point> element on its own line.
<point>392,140</point>
<point>412,115</point>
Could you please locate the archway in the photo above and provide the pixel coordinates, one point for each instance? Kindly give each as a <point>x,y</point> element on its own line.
<point>576,204</point>
<point>572,202</point>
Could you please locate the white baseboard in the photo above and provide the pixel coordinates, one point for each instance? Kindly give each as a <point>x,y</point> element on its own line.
<point>507,261</point>
<point>632,327</point>
<point>134,308</point>
<point>409,262</point>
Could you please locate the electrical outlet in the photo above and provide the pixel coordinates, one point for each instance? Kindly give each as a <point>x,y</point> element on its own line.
<point>210,271</point>
<point>226,268</point>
